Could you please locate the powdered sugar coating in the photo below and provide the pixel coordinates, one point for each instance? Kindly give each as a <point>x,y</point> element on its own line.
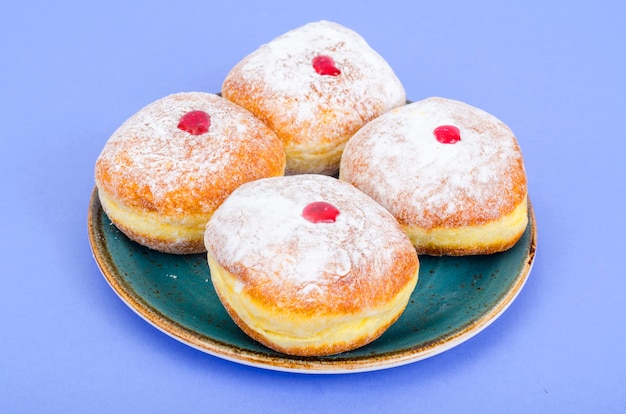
<point>151,164</point>
<point>397,160</point>
<point>308,111</point>
<point>259,235</point>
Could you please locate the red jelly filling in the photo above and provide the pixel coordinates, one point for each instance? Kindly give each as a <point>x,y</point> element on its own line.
<point>325,65</point>
<point>320,212</point>
<point>447,134</point>
<point>195,122</point>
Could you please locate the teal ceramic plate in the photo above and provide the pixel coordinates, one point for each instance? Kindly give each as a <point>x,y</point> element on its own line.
<point>455,298</point>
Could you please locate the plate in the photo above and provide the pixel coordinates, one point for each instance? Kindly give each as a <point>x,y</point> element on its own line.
<point>455,298</point>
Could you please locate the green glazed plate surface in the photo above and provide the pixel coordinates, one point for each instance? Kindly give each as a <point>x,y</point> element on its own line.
<point>455,298</point>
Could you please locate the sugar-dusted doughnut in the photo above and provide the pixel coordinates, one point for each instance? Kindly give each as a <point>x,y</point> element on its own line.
<point>309,265</point>
<point>166,169</point>
<point>452,175</point>
<point>315,86</point>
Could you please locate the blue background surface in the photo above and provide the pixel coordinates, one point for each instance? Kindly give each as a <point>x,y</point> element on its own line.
<point>72,71</point>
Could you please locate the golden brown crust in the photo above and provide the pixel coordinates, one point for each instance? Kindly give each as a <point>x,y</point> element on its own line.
<point>307,333</point>
<point>433,187</point>
<point>309,288</point>
<point>349,294</point>
<point>314,115</point>
<point>327,348</point>
<point>162,244</point>
<point>153,172</point>
<point>486,238</point>
<point>504,196</point>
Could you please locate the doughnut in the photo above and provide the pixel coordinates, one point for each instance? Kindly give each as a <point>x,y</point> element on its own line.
<point>450,173</point>
<point>315,86</point>
<point>308,265</point>
<point>165,170</point>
